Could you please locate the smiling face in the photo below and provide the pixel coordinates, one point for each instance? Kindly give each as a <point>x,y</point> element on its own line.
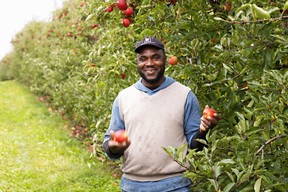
<point>151,66</point>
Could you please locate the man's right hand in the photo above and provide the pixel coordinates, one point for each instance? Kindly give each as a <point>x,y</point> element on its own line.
<point>117,147</point>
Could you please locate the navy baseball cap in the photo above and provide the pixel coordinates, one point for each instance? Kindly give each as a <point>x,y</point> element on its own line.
<point>152,41</point>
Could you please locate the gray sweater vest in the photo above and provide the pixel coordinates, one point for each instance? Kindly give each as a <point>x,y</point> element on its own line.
<point>153,122</point>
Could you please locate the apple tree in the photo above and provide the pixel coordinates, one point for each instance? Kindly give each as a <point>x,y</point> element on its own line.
<point>232,54</point>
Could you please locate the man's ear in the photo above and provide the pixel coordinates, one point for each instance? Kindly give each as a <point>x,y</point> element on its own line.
<point>137,56</point>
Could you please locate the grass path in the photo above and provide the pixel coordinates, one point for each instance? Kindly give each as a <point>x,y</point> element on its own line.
<point>36,152</point>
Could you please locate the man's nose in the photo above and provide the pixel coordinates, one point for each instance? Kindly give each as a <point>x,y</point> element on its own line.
<point>149,62</point>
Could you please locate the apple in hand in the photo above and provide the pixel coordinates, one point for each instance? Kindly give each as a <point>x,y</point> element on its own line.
<point>209,113</point>
<point>121,136</point>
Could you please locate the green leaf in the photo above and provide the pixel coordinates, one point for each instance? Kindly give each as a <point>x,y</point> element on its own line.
<point>213,182</point>
<point>258,121</point>
<point>259,13</point>
<point>217,170</point>
<point>89,17</point>
<point>171,151</point>
<point>228,187</point>
<point>203,141</point>
<point>227,161</point>
<point>236,172</point>
<point>246,173</point>
<point>180,152</point>
<point>227,67</point>
<point>285,7</point>
<point>257,185</point>
<point>251,103</point>
<point>147,32</point>
<point>247,5</point>
<point>230,175</point>
<point>218,19</point>
<point>211,77</point>
<point>273,10</point>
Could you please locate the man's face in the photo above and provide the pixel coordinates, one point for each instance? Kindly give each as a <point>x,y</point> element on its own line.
<point>151,66</point>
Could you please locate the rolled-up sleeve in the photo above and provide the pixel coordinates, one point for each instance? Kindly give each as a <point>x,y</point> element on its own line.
<point>192,117</point>
<point>116,123</point>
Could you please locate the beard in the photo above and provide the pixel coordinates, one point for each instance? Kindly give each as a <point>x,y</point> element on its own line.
<point>156,79</point>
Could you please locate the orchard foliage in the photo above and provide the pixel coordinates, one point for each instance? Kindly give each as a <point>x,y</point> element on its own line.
<point>232,54</point>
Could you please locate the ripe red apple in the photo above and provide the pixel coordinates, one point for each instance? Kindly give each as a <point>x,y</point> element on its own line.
<point>129,12</point>
<point>69,34</point>
<point>173,2</point>
<point>209,113</point>
<point>121,136</point>
<point>110,8</point>
<point>173,60</point>
<point>123,75</point>
<point>122,4</point>
<point>228,6</point>
<point>95,25</point>
<point>126,22</point>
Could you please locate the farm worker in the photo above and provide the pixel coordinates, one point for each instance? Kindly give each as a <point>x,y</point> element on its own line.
<point>156,112</point>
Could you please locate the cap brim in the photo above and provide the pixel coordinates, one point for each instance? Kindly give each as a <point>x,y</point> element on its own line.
<point>147,44</point>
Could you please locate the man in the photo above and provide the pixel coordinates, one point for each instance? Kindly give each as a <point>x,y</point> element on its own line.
<point>156,112</point>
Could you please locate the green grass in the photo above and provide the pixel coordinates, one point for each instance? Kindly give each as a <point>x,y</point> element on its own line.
<point>37,153</point>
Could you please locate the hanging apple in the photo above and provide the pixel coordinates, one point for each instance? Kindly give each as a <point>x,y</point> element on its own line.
<point>126,22</point>
<point>122,4</point>
<point>173,60</point>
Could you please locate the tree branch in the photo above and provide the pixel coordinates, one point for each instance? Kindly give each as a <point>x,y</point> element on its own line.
<point>281,67</point>
<point>256,21</point>
<point>267,143</point>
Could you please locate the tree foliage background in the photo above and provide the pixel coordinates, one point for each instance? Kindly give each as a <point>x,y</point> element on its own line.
<point>232,54</point>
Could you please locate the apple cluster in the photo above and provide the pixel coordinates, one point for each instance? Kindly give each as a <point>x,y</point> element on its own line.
<point>123,6</point>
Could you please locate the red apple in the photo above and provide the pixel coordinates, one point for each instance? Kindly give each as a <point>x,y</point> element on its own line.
<point>209,113</point>
<point>122,4</point>
<point>173,60</point>
<point>110,8</point>
<point>121,136</point>
<point>95,25</point>
<point>123,75</point>
<point>173,2</point>
<point>126,22</point>
<point>228,6</point>
<point>69,34</point>
<point>129,12</point>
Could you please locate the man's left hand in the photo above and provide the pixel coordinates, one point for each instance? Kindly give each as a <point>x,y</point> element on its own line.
<point>208,121</point>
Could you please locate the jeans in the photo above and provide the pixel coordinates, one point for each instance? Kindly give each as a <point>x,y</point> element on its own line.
<point>173,184</point>
<point>183,189</point>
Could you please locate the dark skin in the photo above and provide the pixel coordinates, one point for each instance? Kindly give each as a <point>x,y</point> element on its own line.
<point>151,62</point>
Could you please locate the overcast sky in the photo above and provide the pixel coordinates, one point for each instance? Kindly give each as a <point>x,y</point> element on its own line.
<point>15,14</point>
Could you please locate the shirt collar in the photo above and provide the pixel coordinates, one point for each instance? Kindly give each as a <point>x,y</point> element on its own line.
<point>139,85</point>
